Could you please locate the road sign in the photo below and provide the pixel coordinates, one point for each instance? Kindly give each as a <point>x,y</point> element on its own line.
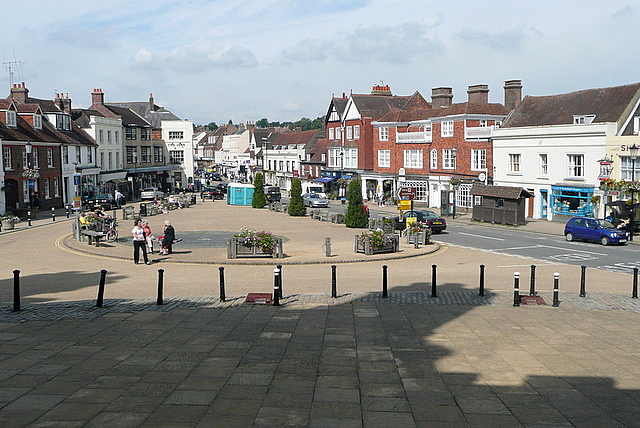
<point>407,193</point>
<point>404,205</point>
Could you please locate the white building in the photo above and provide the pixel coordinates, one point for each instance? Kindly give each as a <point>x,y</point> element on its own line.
<point>178,137</point>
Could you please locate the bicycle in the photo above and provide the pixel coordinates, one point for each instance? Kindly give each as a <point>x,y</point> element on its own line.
<point>110,231</point>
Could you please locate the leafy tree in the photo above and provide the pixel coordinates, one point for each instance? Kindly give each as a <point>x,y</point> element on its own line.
<point>212,126</point>
<point>356,215</point>
<point>262,123</point>
<point>259,200</point>
<point>296,204</point>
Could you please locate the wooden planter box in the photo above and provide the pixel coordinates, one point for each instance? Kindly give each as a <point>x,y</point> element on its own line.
<point>421,237</point>
<point>237,250</point>
<point>386,226</point>
<point>8,224</point>
<point>368,249</point>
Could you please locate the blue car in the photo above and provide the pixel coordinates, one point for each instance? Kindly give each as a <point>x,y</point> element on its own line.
<point>591,229</point>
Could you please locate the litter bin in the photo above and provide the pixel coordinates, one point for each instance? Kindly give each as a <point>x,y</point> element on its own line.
<point>143,209</point>
<point>193,199</point>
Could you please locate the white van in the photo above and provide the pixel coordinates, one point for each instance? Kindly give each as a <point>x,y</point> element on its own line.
<point>311,187</point>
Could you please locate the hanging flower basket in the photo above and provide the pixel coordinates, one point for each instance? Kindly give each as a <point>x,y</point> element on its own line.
<point>31,173</point>
<point>376,242</point>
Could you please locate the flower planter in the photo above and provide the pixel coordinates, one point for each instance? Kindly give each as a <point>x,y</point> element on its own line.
<point>422,238</point>
<point>386,225</point>
<point>365,246</point>
<point>8,224</point>
<point>236,249</point>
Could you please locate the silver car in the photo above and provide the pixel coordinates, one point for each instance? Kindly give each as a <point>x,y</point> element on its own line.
<point>314,200</point>
<point>151,193</point>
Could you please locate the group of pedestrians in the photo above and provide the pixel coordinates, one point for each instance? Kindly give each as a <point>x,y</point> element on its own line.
<point>143,240</point>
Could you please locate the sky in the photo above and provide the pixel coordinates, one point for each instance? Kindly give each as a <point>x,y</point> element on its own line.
<point>221,60</point>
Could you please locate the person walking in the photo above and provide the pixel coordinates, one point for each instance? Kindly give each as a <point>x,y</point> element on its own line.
<point>168,238</point>
<point>119,197</point>
<point>139,242</point>
<point>148,235</point>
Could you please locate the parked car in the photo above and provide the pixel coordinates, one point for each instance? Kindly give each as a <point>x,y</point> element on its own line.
<point>105,201</point>
<point>212,192</point>
<point>151,193</point>
<point>223,187</point>
<point>272,193</point>
<point>597,230</point>
<point>435,222</point>
<point>314,200</point>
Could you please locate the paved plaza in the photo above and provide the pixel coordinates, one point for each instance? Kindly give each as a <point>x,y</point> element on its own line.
<point>410,359</point>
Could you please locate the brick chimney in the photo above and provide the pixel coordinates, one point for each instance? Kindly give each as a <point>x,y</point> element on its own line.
<point>381,90</point>
<point>151,103</point>
<point>478,94</point>
<point>19,93</point>
<point>512,94</point>
<point>63,102</point>
<point>441,97</point>
<point>97,98</point>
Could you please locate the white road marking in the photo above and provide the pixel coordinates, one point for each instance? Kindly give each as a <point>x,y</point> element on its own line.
<point>481,236</point>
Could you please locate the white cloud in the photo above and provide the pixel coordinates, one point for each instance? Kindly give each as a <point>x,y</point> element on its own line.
<point>507,39</point>
<point>290,107</point>
<point>206,54</point>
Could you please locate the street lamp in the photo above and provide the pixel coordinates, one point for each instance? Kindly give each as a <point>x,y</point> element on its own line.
<point>633,150</point>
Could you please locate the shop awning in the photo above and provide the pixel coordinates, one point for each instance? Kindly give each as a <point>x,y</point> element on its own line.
<point>113,176</point>
<point>324,179</point>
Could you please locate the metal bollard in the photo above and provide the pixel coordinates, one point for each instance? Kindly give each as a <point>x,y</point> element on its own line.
<point>223,296</point>
<point>276,287</point>
<point>384,281</point>
<point>516,289</point>
<point>327,247</point>
<point>280,280</point>
<point>583,277</point>
<point>103,277</point>
<point>67,208</point>
<point>532,288</point>
<point>16,290</point>
<point>481,293</point>
<point>556,284</point>
<point>160,286</point>
<point>53,214</point>
<point>29,217</point>
<point>334,287</point>
<point>634,292</point>
<point>434,268</point>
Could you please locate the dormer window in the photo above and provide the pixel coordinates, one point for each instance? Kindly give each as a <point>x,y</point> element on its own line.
<point>63,122</point>
<point>37,121</point>
<point>12,118</point>
<point>583,119</point>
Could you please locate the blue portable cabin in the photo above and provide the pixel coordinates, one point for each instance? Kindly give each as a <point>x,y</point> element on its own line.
<point>239,194</point>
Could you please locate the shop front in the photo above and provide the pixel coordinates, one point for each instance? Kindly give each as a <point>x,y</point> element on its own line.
<point>571,200</point>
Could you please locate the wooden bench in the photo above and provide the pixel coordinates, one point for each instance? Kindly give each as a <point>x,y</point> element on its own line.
<point>93,236</point>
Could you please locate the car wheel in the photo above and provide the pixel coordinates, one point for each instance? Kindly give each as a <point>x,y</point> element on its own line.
<point>604,240</point>
<point>569,236</point>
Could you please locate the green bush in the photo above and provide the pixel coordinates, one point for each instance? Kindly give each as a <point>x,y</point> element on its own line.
<point>296,204</point>
<point>259,199</point>
<point>356,215</point>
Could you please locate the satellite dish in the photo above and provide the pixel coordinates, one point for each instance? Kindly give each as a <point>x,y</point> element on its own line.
<point>482,176</point>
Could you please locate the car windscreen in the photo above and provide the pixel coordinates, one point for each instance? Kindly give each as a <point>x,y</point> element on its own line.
<point>605,224</point>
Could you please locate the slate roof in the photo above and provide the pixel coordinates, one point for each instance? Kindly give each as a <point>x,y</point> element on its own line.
<point>504,192</point>
<point>154,117</point>
<point>376,106</point>
<point>83,116</point>
<point>129,117</point>
<point>25,132</point>
<point>608,105</point>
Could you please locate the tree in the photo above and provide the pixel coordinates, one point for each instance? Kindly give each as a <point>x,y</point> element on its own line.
<point>212,126</point>
<point>356,215</point>
<point>296,204</point>
<point>259,200</point>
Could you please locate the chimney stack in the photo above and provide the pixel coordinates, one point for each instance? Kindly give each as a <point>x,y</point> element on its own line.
<point>97,97</point>
<point>19,93</point>
<point>63,102</point>
<point>152,106</point>
<point>441,97</point>
<point>512,94</point>
<point>478,94</point>
<point>381,90</point>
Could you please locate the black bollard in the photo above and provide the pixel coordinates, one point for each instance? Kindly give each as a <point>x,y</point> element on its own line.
<point>16,290</point>
<point>532,288</point>
<point>334,287</point>
<point>516,289</point>
<point>29,217</point>
<point>223,296</point>
<point>53,214</point>
<point>280,280</point>
<point>583,277</point>
<point>276,287</point>
<point>434,268</point>
<point>556,284</point>
<point>103,276</point>
<point>384,281</point>
<point>160,286</point>
<point>481,293</point>
<point>634,293</point>
<point>67,209</point>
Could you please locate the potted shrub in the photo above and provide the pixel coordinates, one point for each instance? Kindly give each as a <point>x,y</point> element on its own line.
<point>250,243</point>
<point>9,221</point>
<point>376,241</point>
<point>419,232</point>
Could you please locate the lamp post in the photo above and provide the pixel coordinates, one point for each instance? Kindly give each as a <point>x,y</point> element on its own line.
<point>633,150</point>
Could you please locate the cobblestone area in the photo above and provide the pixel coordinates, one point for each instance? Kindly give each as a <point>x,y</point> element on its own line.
<point>87,309</point>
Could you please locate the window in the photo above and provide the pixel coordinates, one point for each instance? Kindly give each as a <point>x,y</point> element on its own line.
<point>576,165</point>
<point>50,163</point>
<point>356,132</point>
<point>131,133</point>
<point>8,164</point>
<point>108,137</point>
<point>514,162</point>
<point>478,159</point>
<point>117,160</point>
<point>434,159</point>
<point>449,158</point>
<point>35,157</point>
<point>413,159</point>
<point>463,196</point>
<point>384,133</point>
<point>25,160</point>
<point>626,167</point>
<point>116,136</point>
<point>56,187</point>
<point>280,165</point>
<point>47,191</point>
<point>157,154</point>
<point>100,136</point>
<point>110,161</point>
<point>65,155</point>
<point>63,122</point>
<point>334,158</point>
<point>25,191</point>
<point>544,164</point>
<point>338,133</point>
<point>351,158</point>
<point>12,119</point>
<point>132,154</point>
<point>384,158</point>
<point>349,133</point>
<point>582,119</point>
<point>176,157</point>
<point>145,153</point>
<point>89,155</point>
<point>446,128</point>
<point>145,134</point>
<point>483,123</point>
<point>175,135</point>
<point>78,155</point>
<point>102,160</point>
<point>37,121</point>
<point>331,133</point>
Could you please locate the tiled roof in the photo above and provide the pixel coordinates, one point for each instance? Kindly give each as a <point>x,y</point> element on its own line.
<point>376,106</point>
<point>607,104</point>
<point>129,117</point>
<point>504,192</point>
<point>153,117</point>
